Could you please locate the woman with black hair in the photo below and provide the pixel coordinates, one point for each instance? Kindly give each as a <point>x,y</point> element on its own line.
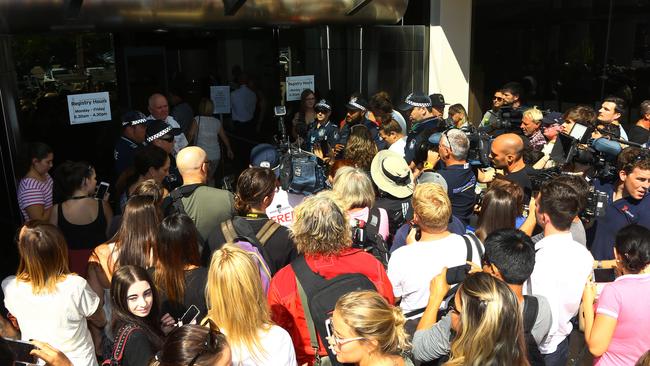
<point>150,162</point>
<point>83,220</point>
<point>35,186</point>
<point>617,333</point>
<point>194,345</point>
<point>134,304</point>
<point>179,278</point>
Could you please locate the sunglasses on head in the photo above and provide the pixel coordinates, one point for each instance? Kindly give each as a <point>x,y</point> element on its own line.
<point>211,342</point>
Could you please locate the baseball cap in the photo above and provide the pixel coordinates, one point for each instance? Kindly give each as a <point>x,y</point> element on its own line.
<point>433,177</point>
<point>437,100</point>
<point>551,118</point>
<point>266,156</point>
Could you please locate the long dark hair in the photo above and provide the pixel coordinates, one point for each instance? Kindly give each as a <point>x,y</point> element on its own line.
<point>137,234</point>
<point>499,209</point>
<point>192,344</point>
<point>68,177</point>
<point>122,280</point>
<point>176,248</point>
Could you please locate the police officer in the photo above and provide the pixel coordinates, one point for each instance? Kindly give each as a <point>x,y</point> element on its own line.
<point>425,119</point>
<point>322,130</point>
<point>357,110</point>
<point>134,130</point>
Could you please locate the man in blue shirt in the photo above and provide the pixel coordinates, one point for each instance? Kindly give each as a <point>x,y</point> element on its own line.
<point>357,109</point>
<point>628,201</point>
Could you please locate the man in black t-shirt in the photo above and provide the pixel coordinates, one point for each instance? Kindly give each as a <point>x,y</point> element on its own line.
<point>640,132</point>
<point>458,174</point>
<point>507,154</point>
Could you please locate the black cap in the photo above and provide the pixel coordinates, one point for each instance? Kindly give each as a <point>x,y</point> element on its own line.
<point>437,100</point>
<point>357,103</point>
<point>418,99</point>
<point>157,129</point>
<point>132,118</point>
<point>323,104</point>
<point>552,118</point>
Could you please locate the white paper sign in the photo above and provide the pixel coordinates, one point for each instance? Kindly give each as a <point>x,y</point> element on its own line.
<point>296,84</point>
<point>89,107</point>
<point>220,96</point>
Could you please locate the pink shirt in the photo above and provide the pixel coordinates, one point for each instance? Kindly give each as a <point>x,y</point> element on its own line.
<point>627,300</point>
<point>362,215</point>
<point>34,192</point>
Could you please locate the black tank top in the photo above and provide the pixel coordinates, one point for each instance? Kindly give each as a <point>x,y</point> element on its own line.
<point>83,236</point>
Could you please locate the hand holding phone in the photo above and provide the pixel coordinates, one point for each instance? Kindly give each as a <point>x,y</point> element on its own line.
<point>21,351</point>
<point>190,316</point>
<point>604,275</point>
<point>457,274</point>
<point>102,189</point>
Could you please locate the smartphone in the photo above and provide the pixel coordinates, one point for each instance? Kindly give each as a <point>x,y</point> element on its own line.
<point>280,110</point>
<point>603,275</point>
<point>102,189</point>
<point>21,350</point>
<point>457,274</point>
<point>325,148</point>
<point>330,332</point>
<point>190,315</point>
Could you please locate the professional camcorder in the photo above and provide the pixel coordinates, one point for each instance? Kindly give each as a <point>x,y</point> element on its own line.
<point>478,154</point>
<point>508,119</point>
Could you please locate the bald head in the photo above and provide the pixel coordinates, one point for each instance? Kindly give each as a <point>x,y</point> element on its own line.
<point>507,151</point>
<point>158,106</point>
<point>190,162</point>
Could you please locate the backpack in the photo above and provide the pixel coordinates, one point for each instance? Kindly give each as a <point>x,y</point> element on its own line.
<point>240,228</point>
<point>174,204</point>
<point>300,172</point>
<point>318,297</point>
<point>117,349</point>
<point>366,236</point>
<point>531,307</point>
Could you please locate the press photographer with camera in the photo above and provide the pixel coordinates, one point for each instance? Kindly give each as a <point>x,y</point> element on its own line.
<point>628,202</point>
<point>610,113</point>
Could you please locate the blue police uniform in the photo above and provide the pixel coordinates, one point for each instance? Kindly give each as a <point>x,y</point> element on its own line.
<point>418,134</point>
<point>618,214</point>
<point>461,183</point>
<point>124,153</point>
<point>327,132</point>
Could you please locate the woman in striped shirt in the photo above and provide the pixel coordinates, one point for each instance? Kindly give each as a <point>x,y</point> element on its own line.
<point>35,187</point>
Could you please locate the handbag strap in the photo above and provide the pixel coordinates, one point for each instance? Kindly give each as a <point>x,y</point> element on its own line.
<point>120,343</point>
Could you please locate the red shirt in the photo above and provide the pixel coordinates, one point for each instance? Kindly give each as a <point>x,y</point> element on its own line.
<point>284,300</point>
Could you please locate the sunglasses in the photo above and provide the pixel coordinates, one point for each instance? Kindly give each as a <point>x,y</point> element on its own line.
<point>168,138</point>
<point>498,99</point>
<point>211,342</point>
<point>321,110</point>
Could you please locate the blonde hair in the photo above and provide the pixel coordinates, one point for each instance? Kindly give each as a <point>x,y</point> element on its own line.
<point>534,114</point>
<point>373,318</point>
<point>354,188</point>
<point>206,107</point>
<point>43,256</point>
<point>321,225</point>
<point>236,300</point>
<point>492,331</point>
<point>432,205</point>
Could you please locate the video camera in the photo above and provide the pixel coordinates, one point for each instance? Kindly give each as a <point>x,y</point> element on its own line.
<point>478,154</point>
<point>508,119</point>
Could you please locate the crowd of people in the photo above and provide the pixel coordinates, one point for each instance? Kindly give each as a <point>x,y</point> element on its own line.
<point>415,253</point>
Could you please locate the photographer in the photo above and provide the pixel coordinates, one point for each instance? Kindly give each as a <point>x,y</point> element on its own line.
<point>628,202</point>
<point>610,113</point>
<point>507,154</point>
<point>460,178</point>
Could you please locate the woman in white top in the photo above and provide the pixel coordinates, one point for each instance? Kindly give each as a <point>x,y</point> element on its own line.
<point>207,134</point>
<point>238,306</point>
<point>50,303</point>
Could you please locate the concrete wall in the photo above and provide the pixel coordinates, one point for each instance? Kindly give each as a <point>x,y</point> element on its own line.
<point>449,49</point>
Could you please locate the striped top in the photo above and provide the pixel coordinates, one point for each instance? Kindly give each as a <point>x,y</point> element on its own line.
<point>34,192</point>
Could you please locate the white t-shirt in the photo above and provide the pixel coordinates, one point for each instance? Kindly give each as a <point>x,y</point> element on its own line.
<point>412,267</point>
<point>281,209</point>
<point>562,268</point>
<point>398,146</point>
<point>58,318</point>
<point>277,350</point>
